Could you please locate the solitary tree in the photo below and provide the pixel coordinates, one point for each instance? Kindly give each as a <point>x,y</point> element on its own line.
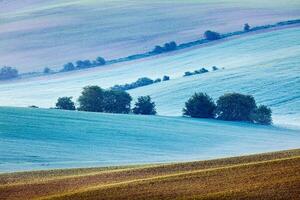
<point>116,101</point>
<point>200,105</point>
<point>144,106</point>
<point>235,107</point>
<point>8,73</point>
<point>246,27</point>
<point>65,103</point>
<point>91,99</point>
<point>262,115</point>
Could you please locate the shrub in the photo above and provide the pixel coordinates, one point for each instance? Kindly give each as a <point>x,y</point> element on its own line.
<point>91,99</point>
<point>166,78</point>
<point>214,68</point>
<point>246,27</point>
<point>144,106</point>
<point>188,74</point>
<point>200,105</point>
<point>158,49</point>
<point>235,107</point>
<point>8,73</point>
<point>116,102</point>
<point>138,83</point>
<point>65,103</point>
<point>157,80</point>
<point>211,35</point>
<point>68,67</point>
<point>170,46</point>
<point>262,115</point>
<point>100,61</point>
<point>201,71</point>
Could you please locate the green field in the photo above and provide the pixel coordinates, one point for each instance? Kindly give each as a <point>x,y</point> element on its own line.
<point>263,176</point>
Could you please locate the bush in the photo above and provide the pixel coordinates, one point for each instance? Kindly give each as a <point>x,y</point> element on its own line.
<point>157,80</point>
<point>8,73</point>
<point>214,68</point>
<point>166,78</point>
<point>68,67</point>
<point>158,49</point>
<point>116,102</point>
<point>100,61</point>
<point>235,107</point>
<point>200,105</point>
<point>91,99</point>
<point>138,83</point>
<point>144,106</point>
<point>262,115</point>
<point>246,27</point>
<point>188,74</point>
<point>65,103</point>
<point>211,35</point>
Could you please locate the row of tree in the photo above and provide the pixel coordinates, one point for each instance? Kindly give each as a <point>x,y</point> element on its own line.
<point>8,73</point>
<point>96,99</point>
<point>144,81</point>
<point>229,107</point>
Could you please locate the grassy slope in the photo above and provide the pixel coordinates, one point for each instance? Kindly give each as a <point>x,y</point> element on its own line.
<point>34,139</point>
<point>38,33</point>
<point>253,64</point>
<point>263,176</point>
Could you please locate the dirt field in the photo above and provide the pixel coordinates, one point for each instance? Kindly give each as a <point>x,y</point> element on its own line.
<point>265,176</point>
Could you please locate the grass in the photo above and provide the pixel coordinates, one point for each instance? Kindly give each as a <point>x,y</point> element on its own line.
<point>263,176</point>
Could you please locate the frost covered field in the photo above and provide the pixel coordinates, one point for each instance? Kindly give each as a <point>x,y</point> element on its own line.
<point>43,139</point>
<point>265,65</point>
<point>49,33</point>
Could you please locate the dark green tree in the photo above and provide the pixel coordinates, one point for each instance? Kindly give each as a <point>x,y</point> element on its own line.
<point>235,107</point>
<point>200,105</point>
<point>100,61</point>
<point>8,73</point>
<point>246,27</point>
<point>144,106</point>
<point>116,101</point>
<point>91,99</point>
<point>262,115</point>
<point>65,103</point>
<point>211,35</point>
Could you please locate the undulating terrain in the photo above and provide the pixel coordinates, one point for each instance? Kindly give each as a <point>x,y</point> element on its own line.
<point>265,65</point>
<point>48,33</point>
<point>43,139</point>
<point>264,176</point>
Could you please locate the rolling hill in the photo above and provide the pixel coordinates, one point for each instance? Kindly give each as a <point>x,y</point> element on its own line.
<point>265,65</point>
<point>36,34</point>
<point>32,139</point>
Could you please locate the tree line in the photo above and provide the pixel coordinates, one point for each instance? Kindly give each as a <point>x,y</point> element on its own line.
<point>229,107</point>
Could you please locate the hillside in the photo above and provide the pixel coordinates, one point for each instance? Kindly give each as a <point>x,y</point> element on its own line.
<point>33,139</point>
<point>36,34</point>
<point>264,176</point>
<point>264,65</point>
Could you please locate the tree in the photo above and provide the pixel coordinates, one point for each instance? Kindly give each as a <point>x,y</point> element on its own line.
<point>200,105</point>
<point>8,73</point>
<point>81,64</point>
<point>65,103</point>
<point>246,27</point>
<point>144,106</point>
<point>211,35</point>
<point>158,49</point>
<point>262,115</point>
<point>100,61</point>
<point>68,67</point>
<point>235,107</point>
<point>91,99</point>
<point>116,102</point>
<point>166,78</point>
<point>47,70</point>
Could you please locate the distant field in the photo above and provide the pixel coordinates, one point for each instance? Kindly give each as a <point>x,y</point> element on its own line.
<point>36,139</point>
<point>263,176</point>
<point>36,34</point>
